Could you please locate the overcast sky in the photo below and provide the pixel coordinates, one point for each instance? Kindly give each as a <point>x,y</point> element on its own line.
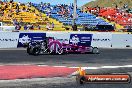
<point>53,2</point>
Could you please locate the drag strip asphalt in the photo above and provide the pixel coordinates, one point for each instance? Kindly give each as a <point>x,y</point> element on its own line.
<point>106,57</point>
<point>108,61</point>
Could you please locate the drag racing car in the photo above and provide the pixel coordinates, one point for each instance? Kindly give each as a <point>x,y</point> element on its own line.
<point>54,46</point>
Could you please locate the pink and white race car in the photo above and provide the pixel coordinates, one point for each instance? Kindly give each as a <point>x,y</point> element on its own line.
<point>52,46</point>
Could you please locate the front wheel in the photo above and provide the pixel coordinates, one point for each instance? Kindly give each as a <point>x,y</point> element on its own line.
<point>95,50</point>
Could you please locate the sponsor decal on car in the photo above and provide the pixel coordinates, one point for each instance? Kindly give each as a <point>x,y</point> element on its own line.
<point>81,39</point>
<point>25,38</point>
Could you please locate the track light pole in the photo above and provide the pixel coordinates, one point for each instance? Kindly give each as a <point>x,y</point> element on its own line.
<point>74,13</point>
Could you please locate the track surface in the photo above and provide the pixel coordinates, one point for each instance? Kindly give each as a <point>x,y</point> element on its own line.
<point>108,57</point>
<point>12,72</point>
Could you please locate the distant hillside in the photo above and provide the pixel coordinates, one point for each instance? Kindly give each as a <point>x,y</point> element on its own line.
<point>109,3</point>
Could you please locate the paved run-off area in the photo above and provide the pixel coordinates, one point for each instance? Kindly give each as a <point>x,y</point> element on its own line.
<point>12,72</point>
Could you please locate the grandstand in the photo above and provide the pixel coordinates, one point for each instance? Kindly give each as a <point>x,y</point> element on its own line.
<point>119,14</point>
<point>64,14</point>
<point>44,16</point>
<point>26,14</point>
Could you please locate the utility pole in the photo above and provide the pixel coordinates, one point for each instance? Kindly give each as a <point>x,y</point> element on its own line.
<point>75,12</point>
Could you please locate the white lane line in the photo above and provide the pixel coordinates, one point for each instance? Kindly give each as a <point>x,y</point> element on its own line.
<point>111,66</point>
<point>128,65</point>
<point>124,66</point>
<point>101,67</point>
<point>90,68</point>
<point>60,66</point>
<point>42,65</point>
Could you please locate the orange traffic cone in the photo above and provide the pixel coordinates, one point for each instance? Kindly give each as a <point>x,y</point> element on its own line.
<point>81,71</point>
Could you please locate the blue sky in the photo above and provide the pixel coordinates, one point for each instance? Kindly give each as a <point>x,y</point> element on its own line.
<point>79,2</point>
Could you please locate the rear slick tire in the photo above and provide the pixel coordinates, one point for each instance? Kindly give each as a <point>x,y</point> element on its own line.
<point>36,51</point>
<point>29,51</point>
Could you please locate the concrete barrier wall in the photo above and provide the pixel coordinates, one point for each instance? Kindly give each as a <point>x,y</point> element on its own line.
<point>9,39</point>
<point>121,40</point>
<point>102,40</point>
<point>99,39</point>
